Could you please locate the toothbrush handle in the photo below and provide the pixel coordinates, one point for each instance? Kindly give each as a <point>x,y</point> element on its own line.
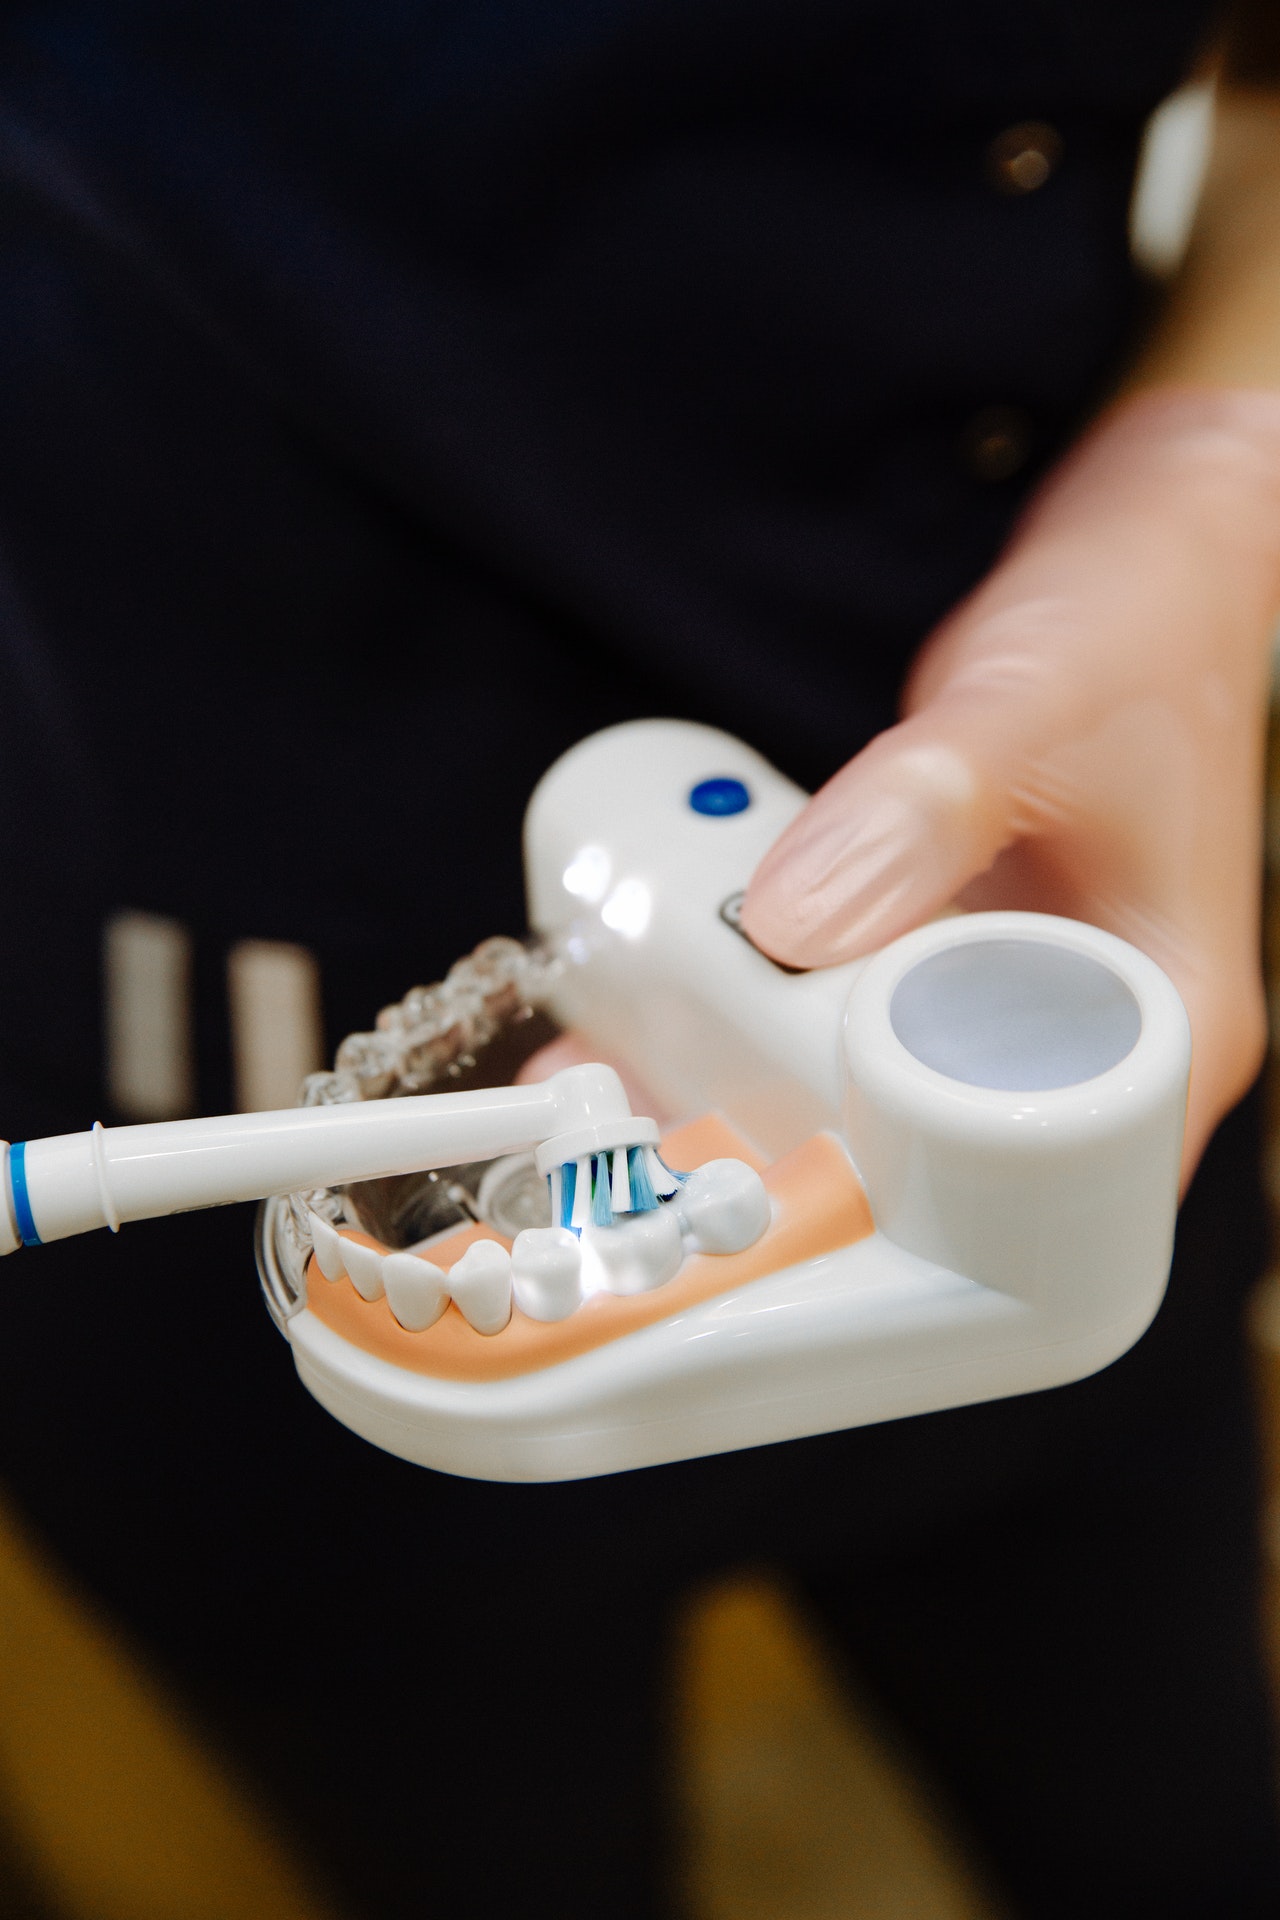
<point>74,1182</point>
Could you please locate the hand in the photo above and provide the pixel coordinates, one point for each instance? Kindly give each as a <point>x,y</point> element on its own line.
<point>1085,734</point>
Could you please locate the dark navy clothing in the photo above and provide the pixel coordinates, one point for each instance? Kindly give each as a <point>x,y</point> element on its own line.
<point>388,397</point>
<point>449,368</point>
<point>535,366</point>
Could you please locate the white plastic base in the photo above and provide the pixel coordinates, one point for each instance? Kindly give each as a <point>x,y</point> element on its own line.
<point>869,1333</point>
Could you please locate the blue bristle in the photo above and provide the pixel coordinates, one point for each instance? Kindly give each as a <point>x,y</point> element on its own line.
<point>568,1180</point>
<point>601,1202</point>
<point>643,1197</point>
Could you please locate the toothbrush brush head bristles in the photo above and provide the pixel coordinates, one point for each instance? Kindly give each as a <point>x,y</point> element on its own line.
<point>599,1188</point>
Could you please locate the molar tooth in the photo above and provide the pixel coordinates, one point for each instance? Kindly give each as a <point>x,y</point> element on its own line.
<point>417,1291</point>
<point>639,1251</point>
<point>481,1284</point>
<point>364,1265</point>
<point>546,1272</point>
<point>327,1242</point>
<point>724,1206</point>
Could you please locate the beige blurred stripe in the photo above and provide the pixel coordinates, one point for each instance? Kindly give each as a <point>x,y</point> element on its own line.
<point>797,1806</point>
<point>121,1813</point>
<point>1172,163</point>
<point>277,1037</point>
<point>147,982</point>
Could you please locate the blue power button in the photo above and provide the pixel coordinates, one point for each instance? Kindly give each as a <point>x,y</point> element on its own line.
<point>719,797</point>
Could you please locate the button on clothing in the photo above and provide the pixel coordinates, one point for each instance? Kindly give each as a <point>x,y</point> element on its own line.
<point>1021,159</point>
<point>997,442</point>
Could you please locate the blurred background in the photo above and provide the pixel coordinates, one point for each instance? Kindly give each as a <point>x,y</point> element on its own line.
<point>798,1805</point>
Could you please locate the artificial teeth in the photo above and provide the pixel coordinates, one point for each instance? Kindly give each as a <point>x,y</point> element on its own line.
<point>546,1272</point>
<point>327,1242</point>
<point>639,1251</point>
<point>481,1285</point>
<point>364,1265</point>
<point>417,1291</point>
<point>724,1206</point>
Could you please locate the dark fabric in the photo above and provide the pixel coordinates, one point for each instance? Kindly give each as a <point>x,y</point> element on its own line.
<point>389,396</point>
<point>419,389</point>
<point>617,358</point>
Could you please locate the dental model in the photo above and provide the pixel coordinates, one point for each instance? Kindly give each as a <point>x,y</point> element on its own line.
<point>970,1145</point>
<point>939,1175</point>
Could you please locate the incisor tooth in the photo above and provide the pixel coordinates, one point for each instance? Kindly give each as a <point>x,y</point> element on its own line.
<point>481,1285</point>
<point>417,1291</point>
<point>364,1265</point>
<point>546,1272</point>
<point>328,1246</point>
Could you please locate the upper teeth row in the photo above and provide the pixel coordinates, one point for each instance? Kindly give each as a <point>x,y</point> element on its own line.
<point>721,1208</point>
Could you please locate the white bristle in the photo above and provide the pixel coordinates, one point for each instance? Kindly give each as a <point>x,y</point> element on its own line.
<point>664,1181</point>
<point>582,1194</point>
<point>620,1189</point>
<point>555,1180</point>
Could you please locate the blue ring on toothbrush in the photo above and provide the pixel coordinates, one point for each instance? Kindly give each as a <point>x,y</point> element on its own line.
<point>21,1199</point>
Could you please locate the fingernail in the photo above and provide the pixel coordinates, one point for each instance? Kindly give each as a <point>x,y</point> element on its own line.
<point>845,877</point>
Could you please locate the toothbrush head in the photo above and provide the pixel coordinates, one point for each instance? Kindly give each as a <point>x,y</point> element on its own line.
<point>598,1175</point>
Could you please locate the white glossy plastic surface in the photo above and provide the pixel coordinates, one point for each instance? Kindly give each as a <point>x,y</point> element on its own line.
<point>1063,1194</point>
<point>703,1018</point>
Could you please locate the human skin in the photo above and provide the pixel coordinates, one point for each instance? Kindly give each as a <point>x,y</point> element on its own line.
<point>1085,733</point>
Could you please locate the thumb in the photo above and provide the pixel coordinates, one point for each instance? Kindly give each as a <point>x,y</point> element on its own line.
<point>896,834</point>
